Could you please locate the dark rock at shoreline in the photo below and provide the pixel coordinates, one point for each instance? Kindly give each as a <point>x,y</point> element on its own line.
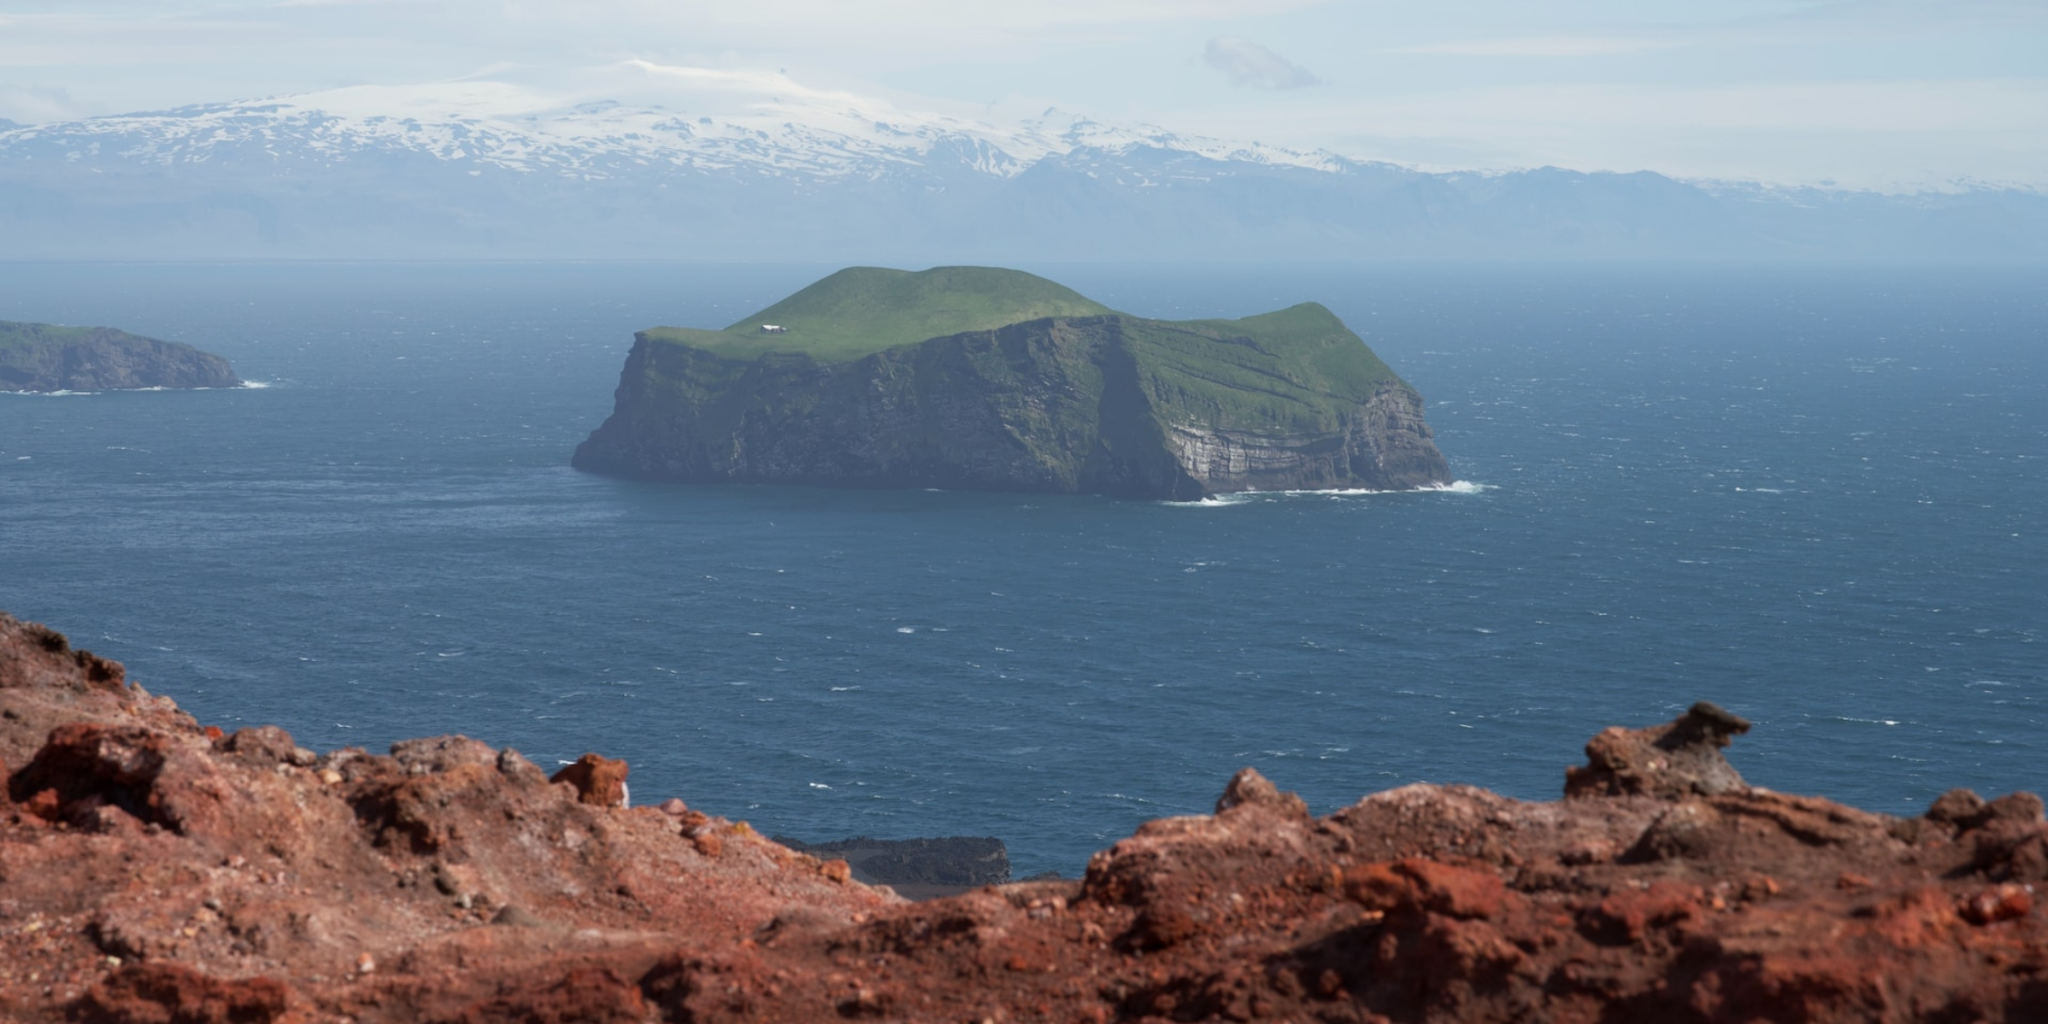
<point>44,357</point>
<point>950,861</point>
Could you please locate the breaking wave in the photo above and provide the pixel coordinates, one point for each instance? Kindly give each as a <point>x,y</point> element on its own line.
<point>1250,497</point>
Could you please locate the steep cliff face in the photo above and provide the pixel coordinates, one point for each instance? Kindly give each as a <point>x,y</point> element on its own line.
<point>1107,404</point>
<point>1386,445</point>
<point>45,357</point>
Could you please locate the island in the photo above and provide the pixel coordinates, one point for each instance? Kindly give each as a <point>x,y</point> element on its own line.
<point>48,357</point>
<point>980,378</point>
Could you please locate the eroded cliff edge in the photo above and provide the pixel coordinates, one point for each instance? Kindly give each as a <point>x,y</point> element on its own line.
<point>154,870</point>
<point>1107,404</point>
<point>46,357</point>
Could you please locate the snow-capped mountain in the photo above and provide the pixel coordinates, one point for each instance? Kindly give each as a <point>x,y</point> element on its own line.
<point>645,160</point>
<point>711,121</point>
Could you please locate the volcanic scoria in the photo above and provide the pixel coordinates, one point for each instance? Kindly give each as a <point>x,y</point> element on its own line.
<point>152,869</point>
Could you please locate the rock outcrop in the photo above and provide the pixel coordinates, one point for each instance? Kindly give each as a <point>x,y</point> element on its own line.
<point>43,357</point>
<point>598,780</point>
<point>155,870</point>
<point>948,862</point>
<point>1676,760</point>
<point>1104,403</point>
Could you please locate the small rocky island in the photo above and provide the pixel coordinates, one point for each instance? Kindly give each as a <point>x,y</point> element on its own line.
<point>47,357</point>
<point>917,868</point>
<point>977,378</point>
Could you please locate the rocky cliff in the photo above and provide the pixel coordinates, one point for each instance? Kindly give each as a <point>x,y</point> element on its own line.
<point>155,870</point>
<point>44,357</point>
<point>1108,404</point>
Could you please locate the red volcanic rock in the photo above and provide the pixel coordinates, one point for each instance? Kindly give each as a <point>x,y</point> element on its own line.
<point>1677,759</point>
<point>172,993</point>
<point>150,872</point>
<point>598,780</point>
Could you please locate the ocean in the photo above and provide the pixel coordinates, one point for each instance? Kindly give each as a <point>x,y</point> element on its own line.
<point>1812,495</point>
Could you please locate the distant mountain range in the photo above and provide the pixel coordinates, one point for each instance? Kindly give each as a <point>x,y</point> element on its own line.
<point>494,170</point>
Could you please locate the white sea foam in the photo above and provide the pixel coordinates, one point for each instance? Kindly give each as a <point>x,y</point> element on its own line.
<point>1247,497</point>
<point>1219,501</point>
<point>65,393</point>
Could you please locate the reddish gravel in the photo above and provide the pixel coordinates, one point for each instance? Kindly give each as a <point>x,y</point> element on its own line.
<point>154,870</point>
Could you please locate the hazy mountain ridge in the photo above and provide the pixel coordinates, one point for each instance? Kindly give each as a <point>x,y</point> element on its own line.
<point>483,170</point>
<point>510,129</point>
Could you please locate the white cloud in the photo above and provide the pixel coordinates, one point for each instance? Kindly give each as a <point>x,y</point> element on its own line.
<point>35,104</point>
<point>966,18</point>
<point>1542,46</point>
<point>1885,135</point>
<point>1248,63</point>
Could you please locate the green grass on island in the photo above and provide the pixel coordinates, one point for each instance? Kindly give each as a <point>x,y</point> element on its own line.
<point>14,335</point>
<point>1297,369</point>
<point>32,348</point>
<point>862,310</point>
<point>1286,356</point>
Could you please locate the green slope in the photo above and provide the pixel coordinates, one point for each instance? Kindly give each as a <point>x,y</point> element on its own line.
<point>32,350</point>
<point>15,335</point>
<point>1298,369</point>
<point>862,310</point>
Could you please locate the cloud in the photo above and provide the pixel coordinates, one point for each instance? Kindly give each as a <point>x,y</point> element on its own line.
<point>1888,135</point>
<point>1248,63</point>
<point>1542,46</point>
<point>31,104</point>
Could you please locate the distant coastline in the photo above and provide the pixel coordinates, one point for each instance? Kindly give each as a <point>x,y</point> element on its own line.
<point>54,359</point>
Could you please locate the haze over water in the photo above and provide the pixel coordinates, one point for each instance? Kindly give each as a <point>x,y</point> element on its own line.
<point>1813,496</point>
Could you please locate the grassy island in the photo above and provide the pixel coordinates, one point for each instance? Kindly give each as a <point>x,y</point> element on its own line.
<point>980,377</point>
<point>51,357</point>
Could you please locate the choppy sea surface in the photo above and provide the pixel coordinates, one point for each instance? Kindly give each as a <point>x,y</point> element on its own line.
<point>1814,496</point>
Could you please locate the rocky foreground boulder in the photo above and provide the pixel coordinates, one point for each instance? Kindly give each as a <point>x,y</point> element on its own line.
<point>155,870</point>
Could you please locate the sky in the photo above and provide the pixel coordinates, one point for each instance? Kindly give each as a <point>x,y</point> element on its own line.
<point>1895,95</point>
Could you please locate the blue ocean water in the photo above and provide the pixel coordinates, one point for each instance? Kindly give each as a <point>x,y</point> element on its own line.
<point>1814,496</point>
